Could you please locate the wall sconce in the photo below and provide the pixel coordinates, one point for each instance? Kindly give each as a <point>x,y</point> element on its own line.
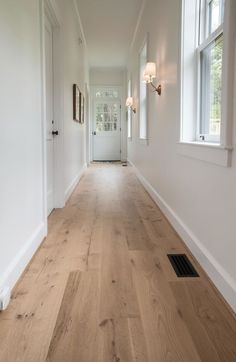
<point>130,104</point>
<point>150,74</point>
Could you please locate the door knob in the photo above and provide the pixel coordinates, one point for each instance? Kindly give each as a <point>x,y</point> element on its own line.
<point>55,133</point>
<point>94,133</point>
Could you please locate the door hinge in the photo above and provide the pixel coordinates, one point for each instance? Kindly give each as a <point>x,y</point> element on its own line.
<point>120,128</point>
<point>120,151</point>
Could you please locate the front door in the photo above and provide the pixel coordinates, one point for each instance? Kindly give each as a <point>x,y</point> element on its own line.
<point>49,113</point>
<point>106,131</point>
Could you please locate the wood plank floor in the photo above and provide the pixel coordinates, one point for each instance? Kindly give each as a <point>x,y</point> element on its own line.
<point>101,287</point>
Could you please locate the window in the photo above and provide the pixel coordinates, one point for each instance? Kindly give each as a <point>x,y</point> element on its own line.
<point>108,93</point>
<point>106,108</point>
<point>106,116</point>
<point>210,51</point>
<point>142,93</point>
<point>207,80</point>
<point>129,113</point>
<point>202,66</point>
<point>215,15</point>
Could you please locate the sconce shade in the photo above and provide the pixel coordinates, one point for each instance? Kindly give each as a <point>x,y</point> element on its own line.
<point>146,78</point>
<point>149,72</point>
<point>129,102</point>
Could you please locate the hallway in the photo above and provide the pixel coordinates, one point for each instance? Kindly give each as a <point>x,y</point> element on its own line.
<point>101,288</point>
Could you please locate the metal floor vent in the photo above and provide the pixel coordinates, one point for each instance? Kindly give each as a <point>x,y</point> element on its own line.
<point>182,266</point>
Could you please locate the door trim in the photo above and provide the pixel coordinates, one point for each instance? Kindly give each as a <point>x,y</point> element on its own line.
<point>87,124</point>
<point>123,136</point>
<point>108,101</point>
<point>49,9</point>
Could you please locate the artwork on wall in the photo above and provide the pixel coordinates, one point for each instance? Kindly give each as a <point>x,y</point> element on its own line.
<point>81,108</point>
<point>78,105</point>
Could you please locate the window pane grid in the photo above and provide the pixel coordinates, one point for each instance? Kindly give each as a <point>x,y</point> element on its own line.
<point>107,94</point>
<point>215,15</point>
<point>211,59</point>
<point>106,117</point>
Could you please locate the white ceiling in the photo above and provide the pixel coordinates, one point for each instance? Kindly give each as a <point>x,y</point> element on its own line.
<point>108,28</point>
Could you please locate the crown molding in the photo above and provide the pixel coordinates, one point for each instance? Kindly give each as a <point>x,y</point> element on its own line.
<point>137,24</point>
<point>51,9</point>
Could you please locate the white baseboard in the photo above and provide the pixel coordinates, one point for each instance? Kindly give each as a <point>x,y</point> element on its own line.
<point>219,276</point>
<point>21,260</point>
<point>75,182</point>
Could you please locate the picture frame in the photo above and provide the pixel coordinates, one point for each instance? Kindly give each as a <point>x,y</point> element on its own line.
<point>81,108</point>
<point>76,103</point>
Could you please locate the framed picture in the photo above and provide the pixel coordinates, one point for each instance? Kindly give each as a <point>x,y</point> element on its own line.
<point>81,108</point>
<point>76,103</point>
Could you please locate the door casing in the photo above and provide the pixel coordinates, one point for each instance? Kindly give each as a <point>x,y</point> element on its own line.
<point>48,37</point>
<point>113,138</point>
<point>121,91</point>
<point>50,10</point>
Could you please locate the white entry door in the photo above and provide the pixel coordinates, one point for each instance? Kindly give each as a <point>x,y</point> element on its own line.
<point>106,131</point>
<point>49,114</point>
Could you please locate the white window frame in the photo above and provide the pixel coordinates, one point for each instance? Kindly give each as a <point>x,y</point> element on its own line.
<point>204,40</point>
<point>143,138</point>
<point>129,112</point>
<point>188,145</point>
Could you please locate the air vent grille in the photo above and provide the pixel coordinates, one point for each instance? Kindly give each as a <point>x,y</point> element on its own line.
<point>182,266</point>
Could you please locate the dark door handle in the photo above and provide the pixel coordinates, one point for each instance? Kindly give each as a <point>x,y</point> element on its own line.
<point>94,133</point>
<point>55,133</point>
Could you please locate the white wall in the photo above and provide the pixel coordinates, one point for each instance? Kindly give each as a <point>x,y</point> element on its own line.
<point>23,223</point>
<point>21,179</point>
<point>107,76</point>
<point>111,77</point>
<point>198,197</point>
<point>75,71</point>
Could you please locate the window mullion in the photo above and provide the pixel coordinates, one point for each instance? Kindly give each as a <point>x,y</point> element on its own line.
<point>204,75</point>
<point>211,38</point>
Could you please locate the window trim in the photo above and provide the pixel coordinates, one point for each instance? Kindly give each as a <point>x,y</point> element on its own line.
<point>142,140</point>
<point>211,38</point>
<point>129,111</point>
<point>205,39</point>
<point>220,153</point>
<point>207,42</point>
<point>206,152</point>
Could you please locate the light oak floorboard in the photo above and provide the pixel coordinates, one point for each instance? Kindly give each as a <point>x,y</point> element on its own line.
<point>101,288</point>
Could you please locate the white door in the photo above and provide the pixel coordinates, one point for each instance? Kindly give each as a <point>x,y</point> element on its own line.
<point>49,114</point>
<point>106,131</point>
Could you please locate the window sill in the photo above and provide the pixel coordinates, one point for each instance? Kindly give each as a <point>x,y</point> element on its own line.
<point>207,152</point>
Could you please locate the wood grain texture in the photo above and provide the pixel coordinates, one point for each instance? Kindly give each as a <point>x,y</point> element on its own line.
<point>159,313</point>
<point>101,288</point>
<point>77,321</point>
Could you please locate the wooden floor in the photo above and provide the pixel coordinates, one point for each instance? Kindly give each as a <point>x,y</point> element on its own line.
<point>101,287</point>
